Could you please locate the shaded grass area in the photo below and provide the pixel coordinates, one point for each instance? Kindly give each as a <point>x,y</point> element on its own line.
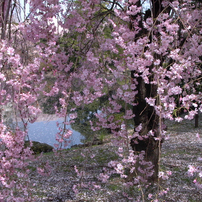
<point>176,155</point>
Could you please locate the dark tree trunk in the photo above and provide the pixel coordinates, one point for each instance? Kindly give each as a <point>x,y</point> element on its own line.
<point>144,113</point>
<point>196,120</point>
<point>5,9</point>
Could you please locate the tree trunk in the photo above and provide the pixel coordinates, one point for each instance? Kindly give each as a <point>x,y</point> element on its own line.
<point>196,118</point>
<point>144,113</point>
<point>147,117</point>
<point>5,10</point>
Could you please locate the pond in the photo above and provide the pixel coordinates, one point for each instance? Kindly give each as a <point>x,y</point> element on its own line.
<point>45,131</point>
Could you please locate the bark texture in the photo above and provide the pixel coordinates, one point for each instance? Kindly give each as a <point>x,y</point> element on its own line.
<point>144,113</point>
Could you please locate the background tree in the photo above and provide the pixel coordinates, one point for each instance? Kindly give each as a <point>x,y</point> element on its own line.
<point>143,57</point>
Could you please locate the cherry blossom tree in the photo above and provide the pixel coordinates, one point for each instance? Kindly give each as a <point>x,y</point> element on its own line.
<point>141,56</point>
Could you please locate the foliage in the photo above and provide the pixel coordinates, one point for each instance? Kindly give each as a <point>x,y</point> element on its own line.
<point>38,147</point>
<point>112,63</point>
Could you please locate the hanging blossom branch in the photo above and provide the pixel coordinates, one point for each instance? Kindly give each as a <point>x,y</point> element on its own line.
<point>141,69</point>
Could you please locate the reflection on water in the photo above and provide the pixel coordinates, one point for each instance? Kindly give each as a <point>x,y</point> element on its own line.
<point>44,131</point>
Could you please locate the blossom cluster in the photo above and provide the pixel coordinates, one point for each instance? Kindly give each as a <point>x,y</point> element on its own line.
<point>92,55</point>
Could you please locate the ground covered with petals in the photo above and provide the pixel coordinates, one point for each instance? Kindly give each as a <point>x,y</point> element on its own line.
<point>182,149</point>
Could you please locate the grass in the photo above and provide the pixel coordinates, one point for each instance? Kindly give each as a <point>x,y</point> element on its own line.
<point>176,151</point>
<point>31,168</point>
<point>172,157</point>
<point>114,187</point>
<point>78,158</point>
<point>187,180</point>
<point>105,156</point>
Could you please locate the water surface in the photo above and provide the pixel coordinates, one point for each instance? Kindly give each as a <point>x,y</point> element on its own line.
<point>45,131</point>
